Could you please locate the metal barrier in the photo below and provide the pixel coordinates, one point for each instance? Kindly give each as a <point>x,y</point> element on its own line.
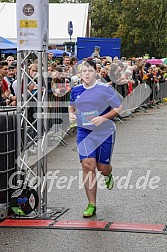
<point>140,98</point>
<point>7,156</point>
<point>158,93</point>
<point>163,90</point>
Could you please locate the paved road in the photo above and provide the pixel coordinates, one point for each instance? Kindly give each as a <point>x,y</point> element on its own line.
<point>139,195</point>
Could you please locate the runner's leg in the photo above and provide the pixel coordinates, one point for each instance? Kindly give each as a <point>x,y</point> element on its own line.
<point>89,178</point>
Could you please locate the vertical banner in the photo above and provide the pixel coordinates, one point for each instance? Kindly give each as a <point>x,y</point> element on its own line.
<point>32,24</point>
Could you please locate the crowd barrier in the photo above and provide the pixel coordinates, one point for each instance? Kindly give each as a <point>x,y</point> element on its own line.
<point>163,91</point>
<point>8,130</point>
<point>142,97</point>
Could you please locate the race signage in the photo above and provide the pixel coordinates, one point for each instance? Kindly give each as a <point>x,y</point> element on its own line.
<point>32,24</point>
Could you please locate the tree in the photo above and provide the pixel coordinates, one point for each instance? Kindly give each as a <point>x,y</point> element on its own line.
<point>140,24</point>
<point>142,27</point>
<point>104,18</point>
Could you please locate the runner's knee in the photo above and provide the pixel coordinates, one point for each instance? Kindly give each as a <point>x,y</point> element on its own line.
<point>88,165</point>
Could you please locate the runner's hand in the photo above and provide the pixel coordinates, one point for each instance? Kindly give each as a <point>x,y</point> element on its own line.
<point>98,120</point>
<point>72,118</point>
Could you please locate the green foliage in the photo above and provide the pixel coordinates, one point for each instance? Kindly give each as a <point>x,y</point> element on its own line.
<point>140,24</point>
<point>103,18</point>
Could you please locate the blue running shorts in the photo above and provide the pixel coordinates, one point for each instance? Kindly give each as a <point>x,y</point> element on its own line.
<point>93,145</point>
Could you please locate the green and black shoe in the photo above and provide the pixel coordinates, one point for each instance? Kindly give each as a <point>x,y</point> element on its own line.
<point>109,181</point>
<point>90,211</point>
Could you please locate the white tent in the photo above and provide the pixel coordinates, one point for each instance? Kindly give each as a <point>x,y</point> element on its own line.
<point>59,16</point>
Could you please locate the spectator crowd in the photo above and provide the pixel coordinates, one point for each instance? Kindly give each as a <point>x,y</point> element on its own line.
<point>122,74</point>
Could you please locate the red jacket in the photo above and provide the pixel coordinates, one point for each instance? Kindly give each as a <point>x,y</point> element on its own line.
<point>4,86</point>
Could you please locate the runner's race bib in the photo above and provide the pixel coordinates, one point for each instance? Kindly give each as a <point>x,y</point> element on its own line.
<point>88,116</point>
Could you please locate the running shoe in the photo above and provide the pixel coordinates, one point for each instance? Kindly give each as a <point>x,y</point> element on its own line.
<point>90,211</point>
<point>109,181</point>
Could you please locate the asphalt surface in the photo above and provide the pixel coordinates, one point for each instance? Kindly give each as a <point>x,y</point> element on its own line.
<point>139,167</point>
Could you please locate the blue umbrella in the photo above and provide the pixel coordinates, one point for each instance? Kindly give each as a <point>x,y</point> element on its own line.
<point>58,53</point>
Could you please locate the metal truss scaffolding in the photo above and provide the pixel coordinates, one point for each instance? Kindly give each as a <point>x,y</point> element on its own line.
<point>32,131</point>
